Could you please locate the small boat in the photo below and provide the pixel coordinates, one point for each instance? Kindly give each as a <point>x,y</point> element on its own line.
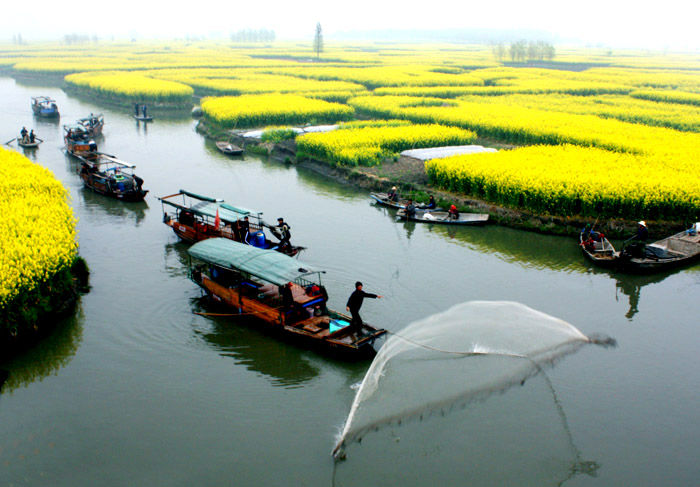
<point>142,118</point>
<point>597,249</point>
<point>229,149</point>
<point>671,252</point>
<point>384,200</point>
<point>194,217</point>
<point>107,175</point>
<point>43,106</point>
<point>77,141</point>
<point>93,124</point>
<point>443,217</point>
<point>280,293</point>
<point>29,145</point>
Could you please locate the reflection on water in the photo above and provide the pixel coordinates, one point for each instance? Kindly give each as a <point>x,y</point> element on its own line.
<point>123,210</point>
<point>48,356</point>
<point>235,337</point>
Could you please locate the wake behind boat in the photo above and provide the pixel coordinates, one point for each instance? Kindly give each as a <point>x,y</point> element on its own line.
<point>280,293</point>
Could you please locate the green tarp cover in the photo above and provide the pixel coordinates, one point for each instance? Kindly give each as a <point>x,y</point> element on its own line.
<point>227,213</point>
<point>269,265</point>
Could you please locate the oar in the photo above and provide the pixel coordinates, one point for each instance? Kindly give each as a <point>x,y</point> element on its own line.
<point>37,138</point>
<point>10,141</point>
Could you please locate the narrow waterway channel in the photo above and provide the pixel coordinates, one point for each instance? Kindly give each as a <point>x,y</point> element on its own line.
<point>136,389</point>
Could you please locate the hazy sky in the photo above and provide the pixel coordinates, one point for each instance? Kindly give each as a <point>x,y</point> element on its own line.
<point>667,24</point>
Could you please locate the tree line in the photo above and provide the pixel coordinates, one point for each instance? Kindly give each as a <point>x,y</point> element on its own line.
<point>522,51</point>
<point>253,35</point>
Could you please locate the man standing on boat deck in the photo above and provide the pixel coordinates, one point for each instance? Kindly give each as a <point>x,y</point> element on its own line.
<point>354,305</point>
<point>284,231</point>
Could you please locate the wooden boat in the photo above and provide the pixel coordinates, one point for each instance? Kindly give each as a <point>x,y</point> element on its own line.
<point>43,106</point>
<point>384,200</point>
<point>141,118</point>
<point>677,250</point>
<point>107,175</point>
<point>77,141</point>
<point>597,249</point>
<point>229,149</point>
<point>29,145</point>
<point>251,281</point>
<point>671,252</point>
<point>443,217</point>
<point>93,124</point>
<point>193,218</point>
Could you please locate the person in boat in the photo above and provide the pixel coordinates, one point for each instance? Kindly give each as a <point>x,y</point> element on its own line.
<point>410,209</point>
<point>393,195</point>
<point>642,232</point>
<point>242,228</point>
<point>287,297</point>
<point>143,110</point>
<point>32,137</point>
<point>638,246</point>
<point>453,213</point>
<point>23,133</point>
<point>284,232</point>
<point>431,203</point>
<point>355,303</point>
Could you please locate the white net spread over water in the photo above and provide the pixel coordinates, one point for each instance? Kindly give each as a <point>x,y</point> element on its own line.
<point>467,352</point>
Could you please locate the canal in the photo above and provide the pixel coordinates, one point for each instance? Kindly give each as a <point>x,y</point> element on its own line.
<point>137,389</point>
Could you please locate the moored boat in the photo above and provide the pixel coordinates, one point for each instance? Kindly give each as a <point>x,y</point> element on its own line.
<point>443,217</point>
<point>229,149</point>
<point>384,200</point>
<point>282,294</point>
<point>194,217</point>
<point>43,106</point>
<point>598,249</point>
<point>93,124</point>
<point>109,176</point>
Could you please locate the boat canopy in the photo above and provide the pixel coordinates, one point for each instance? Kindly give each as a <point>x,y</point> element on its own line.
<point>269,265</point>
<point>208,206</point>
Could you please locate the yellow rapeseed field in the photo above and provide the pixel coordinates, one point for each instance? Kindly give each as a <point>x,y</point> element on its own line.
<point>37,228</point>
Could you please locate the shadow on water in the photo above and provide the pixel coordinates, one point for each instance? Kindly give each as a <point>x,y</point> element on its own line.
<point>235,337</point>
<point>53,352</point>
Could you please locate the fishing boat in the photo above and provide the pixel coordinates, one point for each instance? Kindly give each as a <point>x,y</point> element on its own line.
<point>93,124</point>
<point>229,149</point>
<point>597,249</point>
<point>107,175</point>
<point>668,253</point>
<point>77,141</point>
<point>194,217</point>
<point>443,217</point>
<point>384,200</point>
<point>280,293</point>
<point>27,144</point>
<point>143,118</point>
<point>43,106</point>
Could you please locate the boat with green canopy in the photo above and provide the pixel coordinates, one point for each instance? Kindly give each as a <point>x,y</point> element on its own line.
<point>283,294</point>
<point>194,217</point>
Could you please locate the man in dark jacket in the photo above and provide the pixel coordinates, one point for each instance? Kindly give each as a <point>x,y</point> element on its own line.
<point>354,305</point>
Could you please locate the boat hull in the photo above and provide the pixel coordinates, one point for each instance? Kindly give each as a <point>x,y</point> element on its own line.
<point>383,200</point>
<point>442,218</point>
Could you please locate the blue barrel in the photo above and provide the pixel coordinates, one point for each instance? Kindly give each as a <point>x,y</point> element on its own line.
<point>259,239</point>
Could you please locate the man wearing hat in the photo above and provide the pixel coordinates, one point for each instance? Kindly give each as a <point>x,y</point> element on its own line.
<point>642,231</point>
<point>393,195</point>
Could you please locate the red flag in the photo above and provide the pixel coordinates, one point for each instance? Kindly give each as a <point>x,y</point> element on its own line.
<point>217,220</point>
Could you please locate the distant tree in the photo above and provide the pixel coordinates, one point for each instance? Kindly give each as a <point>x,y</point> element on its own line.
<point>498,50</point>
<point>252,35</point>
<point>518,51</point>
<point>318,41</point>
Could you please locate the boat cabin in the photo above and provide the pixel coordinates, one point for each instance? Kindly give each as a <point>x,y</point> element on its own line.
<point>110,176</point>
<point>277,290</point>
<point>44,106</point>
<point>92,124</point>
<point>77,141</point>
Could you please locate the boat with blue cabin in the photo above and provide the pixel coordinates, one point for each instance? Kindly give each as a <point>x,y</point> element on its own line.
<point>43,106</point>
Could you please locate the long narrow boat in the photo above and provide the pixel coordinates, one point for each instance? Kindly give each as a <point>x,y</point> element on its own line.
<point>384,200</point>
<point>443,218</point>
<point>93,124</point>
<point>43,106</point>
<point>669,253</point>
<point>107,175</point>
<point>193,218</point>
<point>229,149</point>
<point>252,282</point>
